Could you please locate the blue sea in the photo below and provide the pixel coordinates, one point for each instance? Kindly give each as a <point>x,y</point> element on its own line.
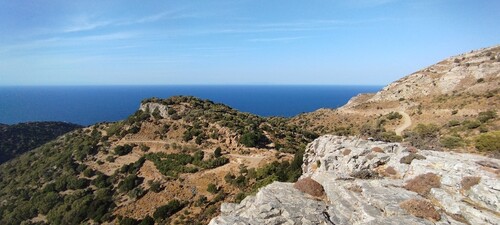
<point>87,105</point>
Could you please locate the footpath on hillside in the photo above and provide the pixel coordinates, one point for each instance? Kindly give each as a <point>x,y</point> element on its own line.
<point>406,123</point>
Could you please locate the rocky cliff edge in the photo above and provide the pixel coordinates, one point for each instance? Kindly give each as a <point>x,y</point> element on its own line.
<point>368,182</point>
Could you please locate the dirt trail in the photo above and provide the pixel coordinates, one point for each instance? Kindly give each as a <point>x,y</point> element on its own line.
<point>406,123</point>
<point>135,141</point>
<point>252,160</point>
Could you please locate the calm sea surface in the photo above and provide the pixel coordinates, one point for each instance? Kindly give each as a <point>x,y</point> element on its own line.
<point>87,105</point>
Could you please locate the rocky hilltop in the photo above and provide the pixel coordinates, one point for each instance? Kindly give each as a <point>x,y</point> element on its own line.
<point>373,182</point>
<point>451,105</point>
<point>474,72</point>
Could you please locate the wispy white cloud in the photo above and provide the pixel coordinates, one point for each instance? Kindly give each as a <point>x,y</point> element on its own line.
<point>277,39</point>
<point>105,37</point>
<point>66,41</point>
<point>84,23</point>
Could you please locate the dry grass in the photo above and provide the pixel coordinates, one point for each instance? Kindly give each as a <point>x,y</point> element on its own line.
<point>421,208</point>
<point>468,182</point>
<point>310,186</point>
<point>377,149</point>
<point>355,188</point>
<point>346,152</point>
<point>422,184</point>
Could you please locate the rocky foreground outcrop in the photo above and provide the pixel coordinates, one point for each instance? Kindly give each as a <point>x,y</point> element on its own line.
<point>368,182</point>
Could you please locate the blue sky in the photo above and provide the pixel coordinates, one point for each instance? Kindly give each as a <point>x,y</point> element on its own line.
<point>366,42</point>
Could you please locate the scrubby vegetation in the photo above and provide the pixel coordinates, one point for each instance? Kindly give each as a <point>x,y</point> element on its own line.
<point>63,181</point>
<point>168,210</point>
<point>422,184</point>
<point>421,208</point>
<point>19,138</point>
<point>488,142</point>
<point>424,136</point>
<point>410,157</point>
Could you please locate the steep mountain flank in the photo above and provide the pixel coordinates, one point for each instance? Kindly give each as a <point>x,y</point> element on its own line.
<point>450,105</point>
<point>476,72</point>
<point>174,161</point>
<point>19,138</point>
<point>372,182</point>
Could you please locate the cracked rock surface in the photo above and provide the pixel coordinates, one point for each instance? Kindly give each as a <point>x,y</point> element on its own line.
<point>365,185</point>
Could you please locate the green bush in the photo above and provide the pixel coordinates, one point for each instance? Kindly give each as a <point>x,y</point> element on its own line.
<point>155,186</point>
<point>394,115</point>
<point>167,210</point>
<point>452,142</point>
<point>89,172</point>
<point>424,136</point>
<point>488,142</point>
<point>252,139</point>
<point>123,150</point>
<point>217,152</point>
<point>148,220</point>
<point>144,148</point>
<point>128,221</point>
<point>239,197</point>
<point>212,188</point>
<point>453,123</point>
<point>484,117</point>
<point>471,124</point>
<point>390,137</point>
<point>129,183</point>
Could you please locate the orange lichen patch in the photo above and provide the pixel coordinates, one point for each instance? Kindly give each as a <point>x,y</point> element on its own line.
<point>468,182</point>
<point>377,149</point>
<point>390,170</point>
<point>421,208</point>
<point>422,184</point>
<point>309,186</point>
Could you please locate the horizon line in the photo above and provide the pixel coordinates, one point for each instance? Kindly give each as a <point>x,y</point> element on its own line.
<point>139,85</point>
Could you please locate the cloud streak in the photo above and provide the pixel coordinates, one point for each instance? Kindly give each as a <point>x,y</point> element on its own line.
<point>277,39</point>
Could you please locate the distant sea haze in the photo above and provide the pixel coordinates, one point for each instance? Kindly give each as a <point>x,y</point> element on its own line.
<point>88,105</point>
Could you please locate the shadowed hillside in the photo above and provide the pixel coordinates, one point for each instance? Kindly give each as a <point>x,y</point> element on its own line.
<point>19,138</point>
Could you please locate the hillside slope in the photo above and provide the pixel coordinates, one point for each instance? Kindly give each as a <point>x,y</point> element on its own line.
<point>19,138</point>
<point>450,105</point>
<point>174,161</point>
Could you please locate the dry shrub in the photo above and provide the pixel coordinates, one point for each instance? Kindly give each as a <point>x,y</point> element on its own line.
<point>411,149</point>
<point>364,174</point>
<point>421,208</point>
<point>377,149</point>
<point>488,164</point>
<point>390,170</point>
<point>355,188</point>
<point>346,152</point>
<point>309,186</point>
<point>409,158</point>
<point>468,182</point>
<point>422,184</point>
